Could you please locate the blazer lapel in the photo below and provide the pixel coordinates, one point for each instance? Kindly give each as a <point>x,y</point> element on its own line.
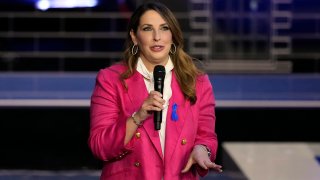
<point>174,128</point>
<point>137,92</point>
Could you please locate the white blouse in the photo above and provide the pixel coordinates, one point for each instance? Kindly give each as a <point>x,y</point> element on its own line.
<point>167,92</point>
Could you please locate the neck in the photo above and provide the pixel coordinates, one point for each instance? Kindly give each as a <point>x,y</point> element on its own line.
<point>150,66</point>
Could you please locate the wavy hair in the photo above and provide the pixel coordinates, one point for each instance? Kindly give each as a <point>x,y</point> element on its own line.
<point>185,69</point>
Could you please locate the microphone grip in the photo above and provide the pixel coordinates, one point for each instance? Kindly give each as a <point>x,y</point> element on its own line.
<point>158,114</point>
<point>157,120</point>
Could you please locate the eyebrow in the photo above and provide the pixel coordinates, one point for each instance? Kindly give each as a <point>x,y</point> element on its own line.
<point>164,24</point>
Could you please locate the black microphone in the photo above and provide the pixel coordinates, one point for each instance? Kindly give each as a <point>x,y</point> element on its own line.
<point>159,72</point>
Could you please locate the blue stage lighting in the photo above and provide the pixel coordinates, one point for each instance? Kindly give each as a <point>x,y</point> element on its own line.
<point>47,4</point>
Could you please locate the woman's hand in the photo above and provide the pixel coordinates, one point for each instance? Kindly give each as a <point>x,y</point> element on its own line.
<point>154,102</point>
<point>200,156</point>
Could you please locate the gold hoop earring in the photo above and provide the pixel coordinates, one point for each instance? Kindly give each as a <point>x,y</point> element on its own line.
<point>174,49</point>
<point>134,49</point>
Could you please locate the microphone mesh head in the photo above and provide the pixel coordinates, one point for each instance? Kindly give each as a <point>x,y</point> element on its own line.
<point>159,72</point>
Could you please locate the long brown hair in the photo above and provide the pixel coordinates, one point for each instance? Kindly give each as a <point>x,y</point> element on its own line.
<point>184,68</point>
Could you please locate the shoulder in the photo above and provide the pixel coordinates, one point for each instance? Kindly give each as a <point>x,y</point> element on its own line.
<point>113,71</point>
<point>203,78</point>
<point>111,74</point>
<point>203,82</point>
<point>118,68</point>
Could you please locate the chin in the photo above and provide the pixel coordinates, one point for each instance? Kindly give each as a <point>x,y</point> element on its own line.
<point>160,59</point>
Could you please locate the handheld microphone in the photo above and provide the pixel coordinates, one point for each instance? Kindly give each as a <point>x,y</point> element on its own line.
<point>159,73</point>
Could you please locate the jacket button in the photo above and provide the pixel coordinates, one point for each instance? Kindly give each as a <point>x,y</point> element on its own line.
<point>137,164</point>
<point>138,135</point>
<point>184,141</point>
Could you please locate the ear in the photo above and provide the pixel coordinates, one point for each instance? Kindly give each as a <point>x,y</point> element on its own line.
<point>133,37</point>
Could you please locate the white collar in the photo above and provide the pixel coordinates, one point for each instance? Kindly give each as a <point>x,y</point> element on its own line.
<point>142,69</point>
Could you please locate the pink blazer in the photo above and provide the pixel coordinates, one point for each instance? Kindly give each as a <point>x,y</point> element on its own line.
<point>142,158</point>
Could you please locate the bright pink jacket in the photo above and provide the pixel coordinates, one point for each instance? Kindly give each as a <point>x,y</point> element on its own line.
<point>142,158</point>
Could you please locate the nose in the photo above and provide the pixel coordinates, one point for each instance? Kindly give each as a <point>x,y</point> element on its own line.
<point>157,35</point>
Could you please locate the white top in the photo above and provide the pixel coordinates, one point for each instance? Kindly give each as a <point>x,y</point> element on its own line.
<point>167,92</point>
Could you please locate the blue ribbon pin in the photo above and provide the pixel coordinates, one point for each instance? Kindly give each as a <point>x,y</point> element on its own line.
<point>174,115</point>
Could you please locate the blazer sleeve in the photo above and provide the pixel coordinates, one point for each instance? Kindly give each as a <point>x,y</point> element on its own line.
<point>107,125</point>
<point>206,124</point>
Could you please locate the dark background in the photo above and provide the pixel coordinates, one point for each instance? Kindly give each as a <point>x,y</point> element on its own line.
<point>56,138</point>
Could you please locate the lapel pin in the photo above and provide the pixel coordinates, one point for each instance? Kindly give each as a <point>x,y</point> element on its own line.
<point>174,115</point>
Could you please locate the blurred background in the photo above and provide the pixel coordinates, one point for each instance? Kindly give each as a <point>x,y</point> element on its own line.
<point>262,56</point>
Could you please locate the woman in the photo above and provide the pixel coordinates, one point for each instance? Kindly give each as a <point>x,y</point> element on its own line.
<point>122,130</point>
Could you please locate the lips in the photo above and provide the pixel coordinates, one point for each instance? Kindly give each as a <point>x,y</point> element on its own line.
<point>157,48</point>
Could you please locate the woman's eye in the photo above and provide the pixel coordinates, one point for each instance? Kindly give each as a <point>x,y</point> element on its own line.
<point>165,28</point>
<point>147,29</point>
